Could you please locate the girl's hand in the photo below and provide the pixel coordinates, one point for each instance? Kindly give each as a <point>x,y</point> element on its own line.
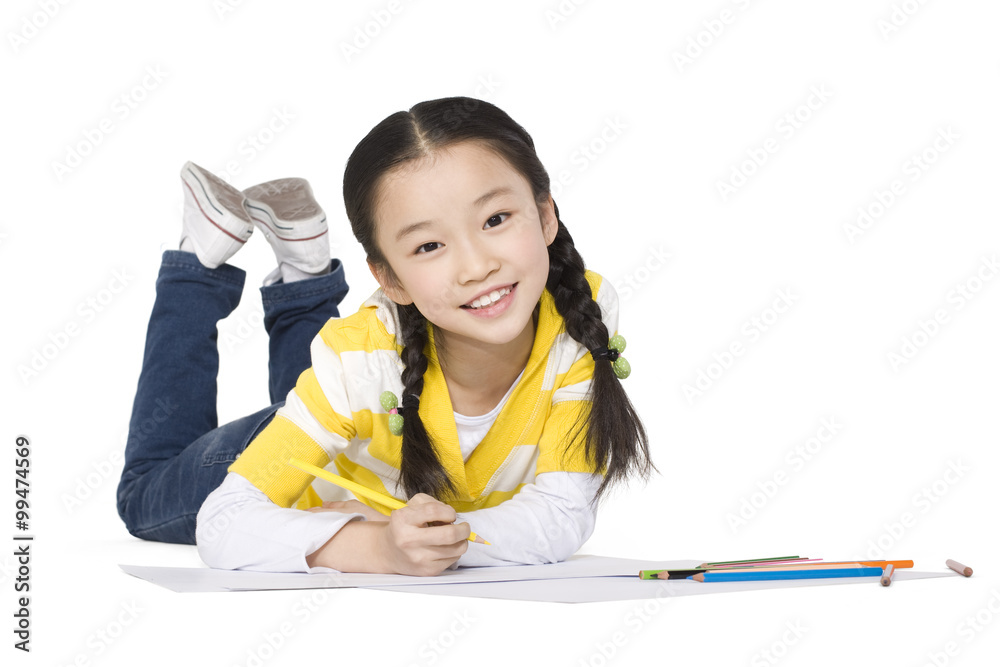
<point>422,538</point>
<point>350,507</point>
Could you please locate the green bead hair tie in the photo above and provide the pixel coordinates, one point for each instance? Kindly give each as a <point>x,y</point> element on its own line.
<point>389,402</point>
<point>613,354</point>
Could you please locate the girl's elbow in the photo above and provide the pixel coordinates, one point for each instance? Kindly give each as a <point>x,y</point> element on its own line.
<point>211,537</point>
<point>564,538</point>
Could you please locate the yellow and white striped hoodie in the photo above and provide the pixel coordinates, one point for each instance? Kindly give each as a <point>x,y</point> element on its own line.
<point>333,417</point>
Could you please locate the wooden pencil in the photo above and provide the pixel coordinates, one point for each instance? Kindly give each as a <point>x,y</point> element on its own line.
<point>844,563</point>
<point>729,566</point>
<point>685,573</point>
<point>669,574</point>
<point>751,560</point>
<point>830,573</point>
<point>363,491</point>
<point>789,568</point>
<point>963,570</point>
<point>887,575</point>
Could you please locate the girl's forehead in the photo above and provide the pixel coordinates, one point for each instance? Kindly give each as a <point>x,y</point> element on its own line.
<point>458,171</point>
<point>466,156</point>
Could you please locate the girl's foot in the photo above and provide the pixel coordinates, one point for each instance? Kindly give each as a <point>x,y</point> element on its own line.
<point>294,224</point>
<point>215,223</point>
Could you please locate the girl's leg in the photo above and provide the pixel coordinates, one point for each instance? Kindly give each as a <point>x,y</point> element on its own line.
<point>303,292</point>
<point>293,315</point>
<point>175,456</point>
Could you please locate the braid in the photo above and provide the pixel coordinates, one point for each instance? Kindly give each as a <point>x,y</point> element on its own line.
<point>616,440</point>
<point>420,469</point>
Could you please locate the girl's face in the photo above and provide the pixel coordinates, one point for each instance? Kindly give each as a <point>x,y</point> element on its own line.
<point>466,242</point>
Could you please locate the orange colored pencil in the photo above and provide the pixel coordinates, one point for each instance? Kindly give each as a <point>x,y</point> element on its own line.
<point>866,563</point>
<point>790,568</point>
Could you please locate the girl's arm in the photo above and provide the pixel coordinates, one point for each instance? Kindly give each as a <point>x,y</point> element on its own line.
<point>410,542</point>
<point>240,528</point>
<point>546,522</point>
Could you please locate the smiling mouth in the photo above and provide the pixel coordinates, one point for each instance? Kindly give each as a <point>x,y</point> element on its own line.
<point>489,299</point>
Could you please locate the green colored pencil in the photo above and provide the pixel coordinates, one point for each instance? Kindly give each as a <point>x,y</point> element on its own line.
<point>752,560</point>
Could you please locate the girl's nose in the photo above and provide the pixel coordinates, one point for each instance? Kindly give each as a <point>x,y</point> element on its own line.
<point>476,262</point>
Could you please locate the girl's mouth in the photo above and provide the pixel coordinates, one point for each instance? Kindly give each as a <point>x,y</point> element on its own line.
<point>493,303</point>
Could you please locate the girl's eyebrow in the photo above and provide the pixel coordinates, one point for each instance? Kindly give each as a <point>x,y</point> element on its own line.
<point>491,195</point>
<point>409,229</point>
<point>480,201</point>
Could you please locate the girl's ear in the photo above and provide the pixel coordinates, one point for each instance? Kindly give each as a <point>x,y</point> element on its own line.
<point>389,285</point>
<point>550,223</point>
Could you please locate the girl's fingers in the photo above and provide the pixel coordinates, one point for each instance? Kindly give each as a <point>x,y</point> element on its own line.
<point>425,537</point>
<point>349,507</point>
<point>448,535</point>
<point>428,512</point>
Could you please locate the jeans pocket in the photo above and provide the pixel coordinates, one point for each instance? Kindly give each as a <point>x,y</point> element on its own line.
<point>227,442</point>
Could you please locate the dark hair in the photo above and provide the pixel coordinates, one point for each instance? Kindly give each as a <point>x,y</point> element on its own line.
<point>616,442</point>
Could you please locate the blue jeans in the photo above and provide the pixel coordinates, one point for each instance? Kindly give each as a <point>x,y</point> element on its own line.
<point>177,453</point>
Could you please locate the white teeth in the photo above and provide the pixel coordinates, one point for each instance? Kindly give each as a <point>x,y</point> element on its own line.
<point>491,298</point>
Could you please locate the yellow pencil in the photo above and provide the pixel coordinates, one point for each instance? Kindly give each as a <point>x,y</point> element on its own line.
<point>360,490</point>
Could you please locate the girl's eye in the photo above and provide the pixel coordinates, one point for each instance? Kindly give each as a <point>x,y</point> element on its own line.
<point>495,220</point>
<point>427,247</point>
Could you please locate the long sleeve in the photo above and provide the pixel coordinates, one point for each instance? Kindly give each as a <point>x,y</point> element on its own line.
<point>528,487</point>
<point>550,517</point>
<point>239,528</point>
<point>545,522</point>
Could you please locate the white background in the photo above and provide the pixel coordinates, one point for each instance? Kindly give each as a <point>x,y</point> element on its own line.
<point>893,77</point>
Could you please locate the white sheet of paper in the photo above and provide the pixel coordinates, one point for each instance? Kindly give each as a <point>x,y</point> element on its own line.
<point>581,578</point>
<point>187,580</point>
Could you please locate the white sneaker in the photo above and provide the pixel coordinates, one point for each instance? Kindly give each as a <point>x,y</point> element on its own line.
<point>215,223</point>
<point>292,222</point>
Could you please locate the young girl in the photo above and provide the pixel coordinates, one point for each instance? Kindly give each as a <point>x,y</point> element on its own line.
<point>487,330</point>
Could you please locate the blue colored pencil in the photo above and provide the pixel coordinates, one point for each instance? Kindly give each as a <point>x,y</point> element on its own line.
<point>750,575</point>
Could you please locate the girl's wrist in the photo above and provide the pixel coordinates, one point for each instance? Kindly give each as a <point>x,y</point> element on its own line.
<point>356,547</point>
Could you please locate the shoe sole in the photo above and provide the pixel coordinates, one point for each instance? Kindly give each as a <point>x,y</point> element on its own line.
<point>277,204</point>
<point>218,201</point>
